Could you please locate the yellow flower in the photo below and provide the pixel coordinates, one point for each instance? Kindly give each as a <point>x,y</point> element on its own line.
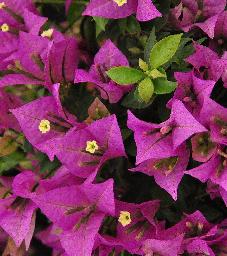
<point>124,218</point>
<point>47,33</point>
<point>44,126</point>
<point>2,5</point>
<point>4,27</point>
<point>120,2</point>
<point>92,146</point>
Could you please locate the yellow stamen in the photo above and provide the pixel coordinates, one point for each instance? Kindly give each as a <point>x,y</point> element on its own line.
<point>44,126</point>
<point>48,33</point>
<point>188,224</point>
<point>120,2</point>
<point>92,146</point>
<point>124,218</point>
<point>200,226</point>
<point>2,5</point>
<point>4,27</point>
<point>57,231</point>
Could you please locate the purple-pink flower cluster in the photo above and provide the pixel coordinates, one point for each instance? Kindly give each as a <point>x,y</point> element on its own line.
<point>86,215</point>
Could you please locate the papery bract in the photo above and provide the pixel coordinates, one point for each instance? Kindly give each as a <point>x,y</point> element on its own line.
<point>202,14</point>
<point>40,61</point>
<point>79,211</point>
<point>19,16</point>
<point>214,170</point>
<point>50,237</point>
<point>144,9</point>
<point>7,102</point>
<point>198,233</point>
<point>108,56</point>
<point>72,152</point>
<point>161,140</point>
<point>191,91</point>
<point>207,63</point>
<point>142,225</point>
<point>171,247</point>
<point>203,148</point>
<point>31,115</point>
<point>167,172</point>
<point>214,117</point>
<point>62,178</point>
<point>17,211</point>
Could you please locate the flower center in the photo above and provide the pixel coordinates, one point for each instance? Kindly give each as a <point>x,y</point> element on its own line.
<point>125,218</point>
<point>223,162</point>
<point>222,125</point>
<point>47,33</point>
<point>190,96</point>
<point>2,5</point>
<point>224,131</point>
<point>166,165</point>
<point>204,145</point>
<point>19,204</point>
<point>44,126</point>
<point>165,130</point>
<point>4,27</point>
<point>194,229</point>
<point>120,2</point>
<point>88,211</point>
<point>92,146</point>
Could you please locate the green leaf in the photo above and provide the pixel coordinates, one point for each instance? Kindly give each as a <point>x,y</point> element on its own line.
<point>100,24</point>
<point>10,161</point>
<point>133,26</point>
<point>164,50</point>
<point>149,45</point>
<point>8,145</point>
<point>125,133</point>
<point>78,101</point>
<point>122,24</point>
<point>74,13</point>
<point>125,75</point>
<point>155,73</point>
<point>143,65</point>
<point>133,101</point>
<point>27,146</point>
<point>146,89</point>
<point>184,50</point>
<point>163,86</point>
<point>49,166</point>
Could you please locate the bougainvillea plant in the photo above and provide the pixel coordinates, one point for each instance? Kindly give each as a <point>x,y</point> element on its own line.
<point>113,127</point>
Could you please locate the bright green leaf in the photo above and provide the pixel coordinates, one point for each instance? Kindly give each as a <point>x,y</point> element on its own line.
<point>184,50</point>
<point>155,73</point>
<point>164,50</point>
<point>143,65</point>
<point>100,24</point>
<point>146,89</point>
<point>125,75</point>
<point>163,86</point>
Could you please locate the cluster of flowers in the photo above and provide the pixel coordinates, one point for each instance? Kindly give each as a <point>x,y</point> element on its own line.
<point>81,209</point>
